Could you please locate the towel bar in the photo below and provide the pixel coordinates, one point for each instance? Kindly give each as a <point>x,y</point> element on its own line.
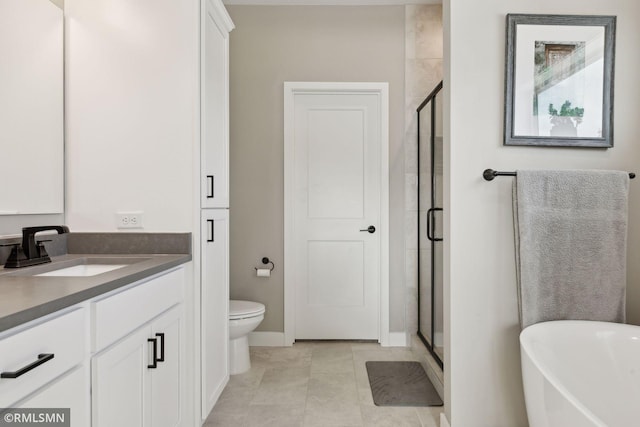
<point>490,174</point>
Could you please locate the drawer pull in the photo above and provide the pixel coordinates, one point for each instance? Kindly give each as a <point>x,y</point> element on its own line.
<point>161,336</point>
<point>154,364</point>
<point>42,358</point>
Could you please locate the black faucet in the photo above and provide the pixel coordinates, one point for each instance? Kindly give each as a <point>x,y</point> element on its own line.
<point>32,253</point>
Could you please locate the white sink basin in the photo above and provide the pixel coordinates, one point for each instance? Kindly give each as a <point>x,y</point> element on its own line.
<point>83,270</point>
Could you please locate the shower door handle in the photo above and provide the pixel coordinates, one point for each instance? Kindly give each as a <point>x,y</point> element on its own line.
<point>431,222</point>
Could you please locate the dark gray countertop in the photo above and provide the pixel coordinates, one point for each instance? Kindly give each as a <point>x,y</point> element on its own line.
<point>25,297</point>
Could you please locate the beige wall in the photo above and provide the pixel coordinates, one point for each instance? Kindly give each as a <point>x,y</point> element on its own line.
<point>483,379</point>
<point>274,44</point>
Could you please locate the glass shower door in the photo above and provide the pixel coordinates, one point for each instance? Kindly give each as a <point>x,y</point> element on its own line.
<point>436,222</point>
<point>430,226</point>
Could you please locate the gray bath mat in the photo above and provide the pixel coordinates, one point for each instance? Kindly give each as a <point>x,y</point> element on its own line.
<point>401,384</point>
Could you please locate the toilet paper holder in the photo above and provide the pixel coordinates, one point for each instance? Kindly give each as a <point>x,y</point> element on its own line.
<point>266,261</point>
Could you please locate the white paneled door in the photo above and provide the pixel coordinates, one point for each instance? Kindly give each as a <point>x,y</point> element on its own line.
<point>337,180</point>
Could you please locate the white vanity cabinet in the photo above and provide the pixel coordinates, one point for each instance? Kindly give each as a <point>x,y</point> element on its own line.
<point>215,305</point>
<point>137,374</point>
<point>71,391</point>
<point>131,387</point>
<point>42,365</point>
<point>166,386</point>
<point>216,26</point>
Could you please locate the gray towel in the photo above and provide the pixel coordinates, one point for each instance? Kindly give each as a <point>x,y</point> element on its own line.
<point>571,240</point>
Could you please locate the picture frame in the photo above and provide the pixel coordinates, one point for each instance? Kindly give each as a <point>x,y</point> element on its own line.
<point>559,79</point>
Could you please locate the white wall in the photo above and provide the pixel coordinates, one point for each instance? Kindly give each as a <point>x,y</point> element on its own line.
<point>483,384</point>
<point>132,128</point>
<point>131,112</point>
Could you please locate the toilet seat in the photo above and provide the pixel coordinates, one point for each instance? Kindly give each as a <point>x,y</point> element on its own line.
<point>244,309</point>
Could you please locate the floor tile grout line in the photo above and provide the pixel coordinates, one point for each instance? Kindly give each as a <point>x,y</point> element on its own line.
<point>353,359</point>
<point>306,398</point>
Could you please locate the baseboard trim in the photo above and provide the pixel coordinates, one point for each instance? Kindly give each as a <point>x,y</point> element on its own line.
<point>397,339</point>
<point>266,339</point>
<point>276,339</point>
<point>444,422</point>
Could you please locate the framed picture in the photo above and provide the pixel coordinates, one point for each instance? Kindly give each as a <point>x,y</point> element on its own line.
<point>559,80</point>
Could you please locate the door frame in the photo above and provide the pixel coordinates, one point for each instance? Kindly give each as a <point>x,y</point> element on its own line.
<point>290,90</point>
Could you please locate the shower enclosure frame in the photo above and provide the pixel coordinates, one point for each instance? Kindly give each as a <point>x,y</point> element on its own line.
<point>429,100</point>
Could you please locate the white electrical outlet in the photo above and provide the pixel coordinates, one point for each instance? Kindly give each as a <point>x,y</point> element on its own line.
<point>129,219</point>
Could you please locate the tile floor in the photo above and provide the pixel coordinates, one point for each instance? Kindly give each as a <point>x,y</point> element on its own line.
<point>314,384</point>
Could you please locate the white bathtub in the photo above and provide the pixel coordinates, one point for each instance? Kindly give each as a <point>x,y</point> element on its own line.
<point>580,373</point>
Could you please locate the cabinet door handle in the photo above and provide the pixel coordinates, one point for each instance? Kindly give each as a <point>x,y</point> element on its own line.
<point>210,189</point>
<point>212,231</point>
<point>161,336</point>
<point>42,358</point>
<point>154,364</point>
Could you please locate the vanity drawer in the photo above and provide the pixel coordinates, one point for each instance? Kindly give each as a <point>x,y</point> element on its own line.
<point>117,315</point>
<point>64,337</point>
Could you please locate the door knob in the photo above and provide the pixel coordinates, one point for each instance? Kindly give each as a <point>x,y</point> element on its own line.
<point>371,229</point>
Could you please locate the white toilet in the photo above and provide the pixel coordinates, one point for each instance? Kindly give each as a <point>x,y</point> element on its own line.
<point>244,317</point>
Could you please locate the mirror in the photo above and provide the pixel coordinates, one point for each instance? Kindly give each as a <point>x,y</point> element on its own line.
<point>31,107</point>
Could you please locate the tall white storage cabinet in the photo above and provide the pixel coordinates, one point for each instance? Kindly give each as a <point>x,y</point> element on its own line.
<point>214,80</point>
<point>215,313</point>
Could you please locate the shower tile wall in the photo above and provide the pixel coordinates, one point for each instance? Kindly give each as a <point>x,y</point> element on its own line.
<point>423,70</point>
